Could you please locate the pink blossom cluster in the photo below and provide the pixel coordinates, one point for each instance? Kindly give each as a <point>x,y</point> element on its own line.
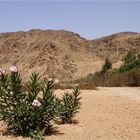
<point>36,103</point>
<point>49,78</point>
<point>12,69</point>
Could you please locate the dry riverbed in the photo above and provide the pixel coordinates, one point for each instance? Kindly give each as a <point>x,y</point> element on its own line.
<point>106,114</point>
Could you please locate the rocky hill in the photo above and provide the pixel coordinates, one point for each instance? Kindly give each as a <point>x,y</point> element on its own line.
<point>62,54</point>
<point>116,45</point>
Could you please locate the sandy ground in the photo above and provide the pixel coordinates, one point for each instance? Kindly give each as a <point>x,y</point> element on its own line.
<point>106,114</point>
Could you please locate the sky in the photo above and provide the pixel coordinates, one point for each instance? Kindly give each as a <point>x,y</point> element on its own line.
<point>90,19</point>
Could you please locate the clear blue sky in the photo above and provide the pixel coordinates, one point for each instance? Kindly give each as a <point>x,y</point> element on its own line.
<point>90,19</point>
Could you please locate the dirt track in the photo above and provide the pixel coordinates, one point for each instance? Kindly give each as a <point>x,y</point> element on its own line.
<point>106,114</point>
<point>131,93</point>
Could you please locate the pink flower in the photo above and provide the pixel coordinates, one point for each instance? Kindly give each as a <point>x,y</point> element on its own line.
<point>50,79</point>
<point>13,69</point>
<point>36,103</point>
<point>2,71</point>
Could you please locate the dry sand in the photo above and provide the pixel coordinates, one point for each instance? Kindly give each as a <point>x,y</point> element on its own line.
<point>106,114</point>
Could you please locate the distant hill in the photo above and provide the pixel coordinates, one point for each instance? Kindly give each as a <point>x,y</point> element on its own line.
<point>116,45</point>
<point>63,54</point>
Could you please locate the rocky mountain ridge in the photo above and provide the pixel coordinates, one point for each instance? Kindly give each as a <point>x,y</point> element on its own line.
<point>62,54</point>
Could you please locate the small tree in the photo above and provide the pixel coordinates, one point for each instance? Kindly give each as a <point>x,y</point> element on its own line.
<point>129,57</point>
<point>107,65</point>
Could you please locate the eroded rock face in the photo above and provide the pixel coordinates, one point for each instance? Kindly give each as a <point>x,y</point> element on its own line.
<point>62,54</point>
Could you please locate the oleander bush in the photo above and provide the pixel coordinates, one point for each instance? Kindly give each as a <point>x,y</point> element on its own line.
<point>69,106</point>
<point>31,112</point>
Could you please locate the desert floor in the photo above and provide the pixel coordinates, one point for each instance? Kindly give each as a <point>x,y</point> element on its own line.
<point>106,114</point>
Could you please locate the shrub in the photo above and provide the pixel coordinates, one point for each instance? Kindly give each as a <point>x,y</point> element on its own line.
<point>129,57</point>
<point>25,112</point>
<point>69,106</point>
<point>106,66</point>
<point>127,67</point>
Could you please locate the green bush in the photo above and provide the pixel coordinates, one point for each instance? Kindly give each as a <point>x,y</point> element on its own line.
<point>107,65</point>
<point>25,112</point>
<point>127,67</point>
<point>69,106</point>
<point>31,112</point>
<point>129,57</point>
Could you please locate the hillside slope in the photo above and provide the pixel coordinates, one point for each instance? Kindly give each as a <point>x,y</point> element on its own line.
<point>62,54</point>
<point>117,45</point>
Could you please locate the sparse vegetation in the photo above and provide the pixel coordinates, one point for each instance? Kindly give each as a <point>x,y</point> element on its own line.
<point>127,75</point>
